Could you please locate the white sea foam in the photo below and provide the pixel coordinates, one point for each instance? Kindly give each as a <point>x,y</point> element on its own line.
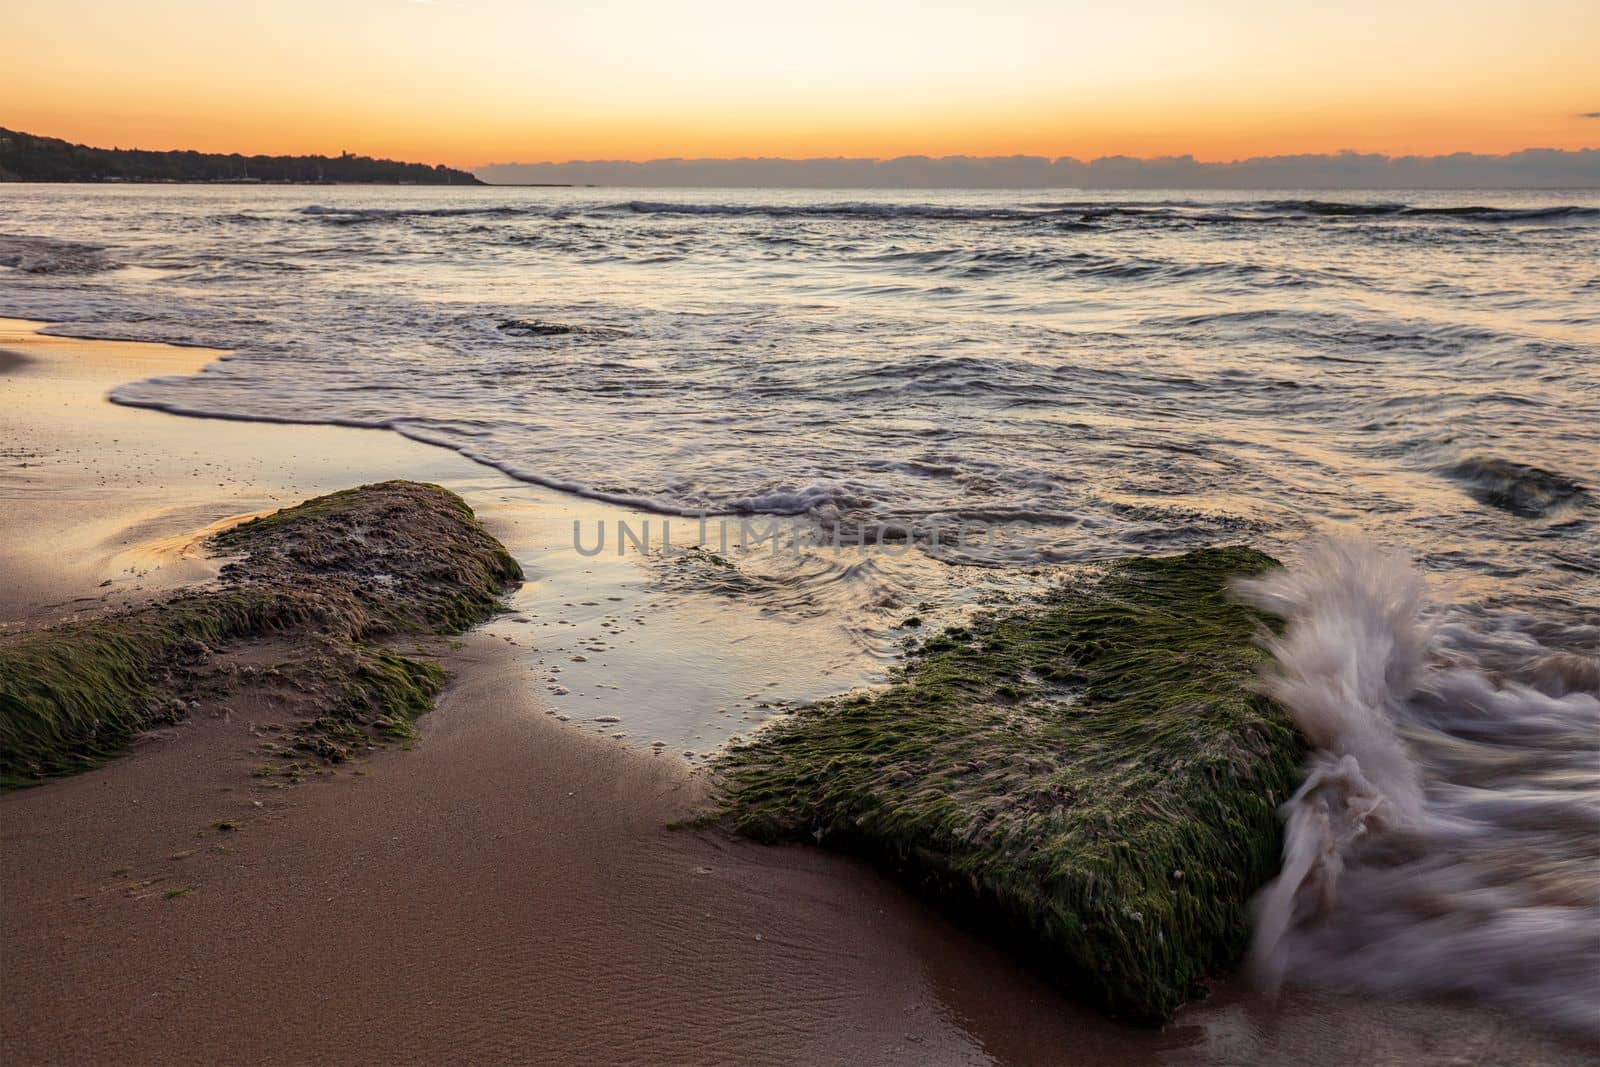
<point>1447,836</point>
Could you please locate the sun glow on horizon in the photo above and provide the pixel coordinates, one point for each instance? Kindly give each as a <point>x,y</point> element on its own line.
<point>469,82</point>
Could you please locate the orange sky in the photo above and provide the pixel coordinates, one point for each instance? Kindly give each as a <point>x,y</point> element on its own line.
<point>468,82</point>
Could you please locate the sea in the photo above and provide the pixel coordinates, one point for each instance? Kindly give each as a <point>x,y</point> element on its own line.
<point>1397,393</point>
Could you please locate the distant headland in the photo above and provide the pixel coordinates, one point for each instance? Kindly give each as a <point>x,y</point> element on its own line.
<point>28,158</point>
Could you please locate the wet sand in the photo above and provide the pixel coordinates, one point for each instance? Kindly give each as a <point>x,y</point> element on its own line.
<point>510,890</point>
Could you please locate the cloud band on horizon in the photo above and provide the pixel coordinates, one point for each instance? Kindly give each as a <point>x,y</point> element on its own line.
<point>1530,168</point>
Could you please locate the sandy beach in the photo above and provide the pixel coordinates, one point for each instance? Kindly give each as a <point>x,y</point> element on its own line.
<point>512,888</point>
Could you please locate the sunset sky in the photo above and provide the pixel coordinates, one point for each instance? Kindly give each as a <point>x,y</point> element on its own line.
<point>467,82</point>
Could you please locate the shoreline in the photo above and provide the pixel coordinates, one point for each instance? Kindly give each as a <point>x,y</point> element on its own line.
<point>512,878</point>
<point>538,898</point>
<point>679,649</point>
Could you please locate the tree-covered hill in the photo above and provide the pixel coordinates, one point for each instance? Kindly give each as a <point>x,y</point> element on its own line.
<point>27,158</point>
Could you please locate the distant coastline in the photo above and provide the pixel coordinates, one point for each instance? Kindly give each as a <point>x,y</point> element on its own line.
<point>26,157</point>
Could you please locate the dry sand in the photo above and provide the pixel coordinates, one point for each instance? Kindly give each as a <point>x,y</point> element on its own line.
<point>510,890</point>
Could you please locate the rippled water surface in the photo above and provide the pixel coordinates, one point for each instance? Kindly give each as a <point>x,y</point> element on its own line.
<point>1121,372</point>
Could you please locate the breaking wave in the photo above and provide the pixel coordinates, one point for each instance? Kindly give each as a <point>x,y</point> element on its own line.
<point>1445,837</point>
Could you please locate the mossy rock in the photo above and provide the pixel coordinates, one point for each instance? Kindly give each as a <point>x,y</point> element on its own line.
<point>334,574</point>
<point>1093,778</point>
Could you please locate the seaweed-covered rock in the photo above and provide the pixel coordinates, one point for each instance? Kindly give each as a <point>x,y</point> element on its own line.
<point>328,576</point>
<point>1093,778</point>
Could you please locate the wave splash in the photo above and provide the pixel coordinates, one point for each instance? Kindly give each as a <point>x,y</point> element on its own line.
<point>1444,839</point>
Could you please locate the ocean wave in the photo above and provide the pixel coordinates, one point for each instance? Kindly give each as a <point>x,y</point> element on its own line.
<point>1443,839</point>
<point>1065,263</point>
<point>1495,214</point>
<point>1064,215</point>
<point>43,255</point>
<point>865,209</point>
<point>544,328</point>
<point>1080,212</point>
<point>353,214</point>
<point>1334,209</point>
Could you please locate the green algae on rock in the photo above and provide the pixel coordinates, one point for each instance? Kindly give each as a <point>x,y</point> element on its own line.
<point>1093,778</point>
<point>328,577</point>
